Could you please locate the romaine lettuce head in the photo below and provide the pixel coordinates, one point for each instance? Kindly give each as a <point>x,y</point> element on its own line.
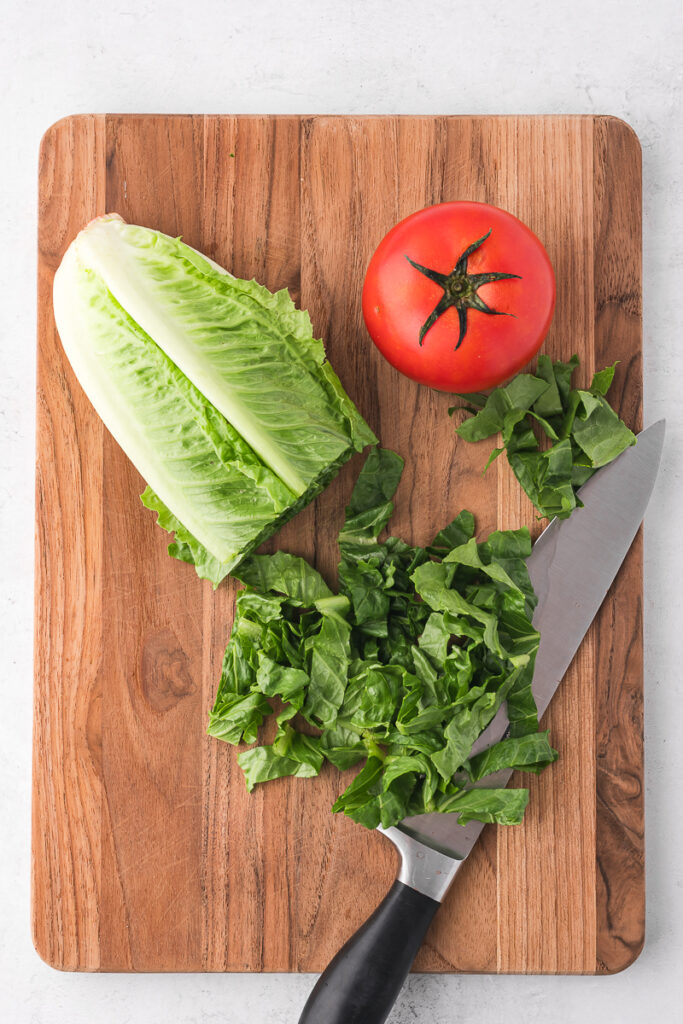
<point>214,387</point>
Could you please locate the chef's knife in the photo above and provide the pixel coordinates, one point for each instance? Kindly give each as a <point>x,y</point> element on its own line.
<point>571,566</point>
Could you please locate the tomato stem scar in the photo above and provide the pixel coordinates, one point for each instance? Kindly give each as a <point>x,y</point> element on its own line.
<point>460,290</point>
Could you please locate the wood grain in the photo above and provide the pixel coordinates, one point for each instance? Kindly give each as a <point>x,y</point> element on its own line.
<point>148,854</point>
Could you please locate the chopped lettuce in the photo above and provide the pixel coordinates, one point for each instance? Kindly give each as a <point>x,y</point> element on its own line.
<point>401,671</point>
<point>584,431</point>
<point>214,387</point>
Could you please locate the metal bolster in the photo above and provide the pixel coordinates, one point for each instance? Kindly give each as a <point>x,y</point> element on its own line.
<point>422,868</point>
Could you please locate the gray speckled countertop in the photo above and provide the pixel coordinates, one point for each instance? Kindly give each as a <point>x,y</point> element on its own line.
<point>620,57</point>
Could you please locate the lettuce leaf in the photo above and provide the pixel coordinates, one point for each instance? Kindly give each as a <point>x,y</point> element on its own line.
<point>529,753</point>
<point>400,672</point>
<point>584,431</point>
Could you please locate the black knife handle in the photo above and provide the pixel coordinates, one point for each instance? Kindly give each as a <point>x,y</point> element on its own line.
<point>362,982</point>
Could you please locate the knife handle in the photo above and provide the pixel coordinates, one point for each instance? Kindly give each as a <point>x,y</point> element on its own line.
<point>362,982</point>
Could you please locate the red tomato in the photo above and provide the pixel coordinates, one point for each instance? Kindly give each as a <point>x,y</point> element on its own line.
<point>459,296</point>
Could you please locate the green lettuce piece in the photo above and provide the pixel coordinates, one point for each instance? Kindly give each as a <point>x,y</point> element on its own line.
<point>602,380</point>
<point>285,574</point>
<point>371,504</point>
<point>399,673</point>
<point>329,657</point>
<point>262,764</point>
<point>365,586</point>
<point>466,724</point>
<point>238,717</point>
<point>275,680</point>
<point>584,431</point>
<point>435,638</point>
<point>343,747</point>
<point>598,431</point>
<point>361,799</point>
<point>530,753</point>
<point>456,533</point>
<point>495,806</point>
<point>213,386</point>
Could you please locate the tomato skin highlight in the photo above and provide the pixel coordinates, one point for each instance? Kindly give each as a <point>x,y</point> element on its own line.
<point>397,299</point>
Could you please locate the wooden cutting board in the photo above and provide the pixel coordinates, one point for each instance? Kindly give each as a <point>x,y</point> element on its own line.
<point>148,854</point>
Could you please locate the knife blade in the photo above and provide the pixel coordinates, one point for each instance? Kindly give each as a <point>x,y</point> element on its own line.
<point>572,566</point>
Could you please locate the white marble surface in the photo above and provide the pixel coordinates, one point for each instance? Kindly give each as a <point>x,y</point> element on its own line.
<point>618,56</point>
